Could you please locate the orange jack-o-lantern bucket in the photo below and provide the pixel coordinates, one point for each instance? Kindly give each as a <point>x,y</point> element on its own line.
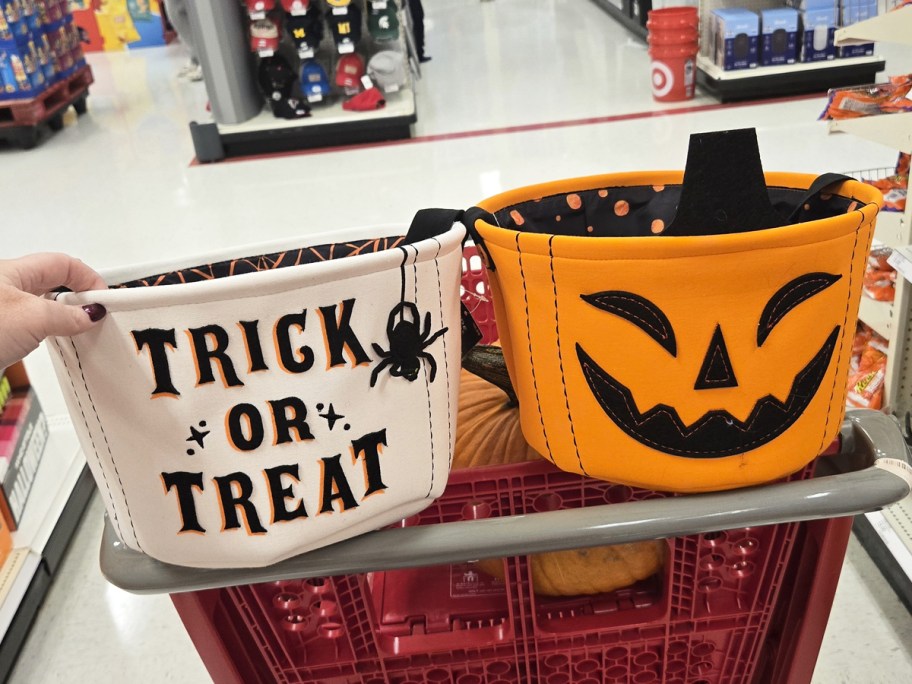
<point>710,358</point>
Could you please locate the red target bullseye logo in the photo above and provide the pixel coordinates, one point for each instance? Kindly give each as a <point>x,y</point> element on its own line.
<point>662,79</point>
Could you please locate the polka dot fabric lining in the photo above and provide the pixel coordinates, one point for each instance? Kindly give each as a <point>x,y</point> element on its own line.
<point>635,211</point>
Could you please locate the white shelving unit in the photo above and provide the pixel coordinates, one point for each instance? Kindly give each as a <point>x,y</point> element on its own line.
<point>892,130</point>
<point>889,27</point>
<point>240,125</point>
<point>55,503</point>
<point>751,83</point>
<point>772,81</point>
<point>887,535</point>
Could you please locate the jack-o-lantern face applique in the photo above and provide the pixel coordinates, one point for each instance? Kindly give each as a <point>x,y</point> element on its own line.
<point>716,433</point>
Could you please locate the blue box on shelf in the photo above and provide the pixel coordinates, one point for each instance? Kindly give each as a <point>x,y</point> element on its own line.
<point>852,12</point>
<point>819,26</point>
<point>735,38</point>
<point>779,36</point>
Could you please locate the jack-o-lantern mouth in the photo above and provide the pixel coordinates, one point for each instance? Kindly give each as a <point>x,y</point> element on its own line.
<point>716,433</point>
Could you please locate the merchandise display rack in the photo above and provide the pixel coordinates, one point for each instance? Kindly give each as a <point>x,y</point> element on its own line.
<point>773,81</point>
<point>329,126</point>
<point>21,120</point>
<point>60,493</point>
<point>791,79</point>
<point>887,535</point>
<point>761,82</point>
<point>241,124</point>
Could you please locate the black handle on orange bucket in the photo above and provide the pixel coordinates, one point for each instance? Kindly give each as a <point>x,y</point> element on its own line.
<point>469,217</point>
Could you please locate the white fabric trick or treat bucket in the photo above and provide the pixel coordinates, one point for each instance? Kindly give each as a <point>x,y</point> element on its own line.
<point>251,409</point>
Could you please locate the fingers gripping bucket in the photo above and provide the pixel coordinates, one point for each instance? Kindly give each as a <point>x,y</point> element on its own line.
<point>239,413</point>
<point>681,363</point>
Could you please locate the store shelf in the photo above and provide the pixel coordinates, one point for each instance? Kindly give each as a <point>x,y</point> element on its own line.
<point>619,11</point>
<point>60,492</point>
<point>15,578</point>
<point>398,105</point>
<point>60,468</point>
<point>329,125</point>
<point>887,537</point>
<point>890,27</point>
<point>877,315</point>
<point>891,229</point>
<point>892,130</point>
<point>788,79</point>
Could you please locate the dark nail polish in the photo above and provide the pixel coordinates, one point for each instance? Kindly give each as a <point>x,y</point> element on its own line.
<point>95,311</point>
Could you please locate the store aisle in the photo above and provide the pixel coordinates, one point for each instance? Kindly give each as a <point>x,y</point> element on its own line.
<point>123,192</point>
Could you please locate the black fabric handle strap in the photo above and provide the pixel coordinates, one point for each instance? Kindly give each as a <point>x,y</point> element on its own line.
<point>820,184</point>
<point>470,216</point>
<point>430,223</point>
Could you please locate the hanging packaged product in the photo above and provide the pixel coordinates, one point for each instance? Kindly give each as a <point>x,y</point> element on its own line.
<point>349,70</point>
<point>388,70</point>
<point>277,82</point>
<point>340,7</point>
<point>264,37</point>
<point>365,101</point>
<point>868,371</point>
<point>346,28</point>
<point>314,81</point>
<point>682,332</point>
<point>879,277</point>
<point>262,402</point>
<point>256,9</point>
<point>298,7</point>
<point>306,32</point>
<point>869,100</point>
<point>383,24</point>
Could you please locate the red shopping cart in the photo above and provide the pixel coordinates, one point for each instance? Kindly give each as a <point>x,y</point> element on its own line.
<point>745,595</point>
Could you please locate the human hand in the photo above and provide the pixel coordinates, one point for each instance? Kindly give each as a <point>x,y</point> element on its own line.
<point>26,317</point>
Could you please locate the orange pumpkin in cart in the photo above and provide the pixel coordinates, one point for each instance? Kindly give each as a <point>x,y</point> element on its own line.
<point>488,433</point>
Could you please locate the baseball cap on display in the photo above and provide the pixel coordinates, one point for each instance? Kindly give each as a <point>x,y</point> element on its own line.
<point>290,108</point>
<point>349,71</point>
<point>305,30</point>
<point>264,35</point>
<point>346,27</point>
<point>365,101</point>
<point>339,3</point>
<point>387,69</point>
<point>384,24</point>
<point>313,79</point>
<point>260,5</point>
<point>292,6</point>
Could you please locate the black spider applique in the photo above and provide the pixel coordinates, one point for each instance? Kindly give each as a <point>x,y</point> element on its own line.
<point>407,344</point>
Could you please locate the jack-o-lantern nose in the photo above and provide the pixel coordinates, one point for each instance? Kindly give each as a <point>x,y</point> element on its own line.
<point>716,371</point>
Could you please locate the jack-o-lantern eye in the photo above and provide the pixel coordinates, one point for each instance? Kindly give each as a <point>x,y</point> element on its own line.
<point>639,311</point>
<point>788,297</point>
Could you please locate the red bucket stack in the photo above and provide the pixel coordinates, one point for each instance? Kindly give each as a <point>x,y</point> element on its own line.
<point>674,34</point>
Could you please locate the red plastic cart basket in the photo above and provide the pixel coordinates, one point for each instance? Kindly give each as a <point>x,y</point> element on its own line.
<point>745,596</point>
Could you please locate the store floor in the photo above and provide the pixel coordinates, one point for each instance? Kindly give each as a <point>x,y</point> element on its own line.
<point>545,90</point>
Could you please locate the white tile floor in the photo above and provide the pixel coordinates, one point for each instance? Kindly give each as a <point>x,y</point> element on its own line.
<point>116,188</point>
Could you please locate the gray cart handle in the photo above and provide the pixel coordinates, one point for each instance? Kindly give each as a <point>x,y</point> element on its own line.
<point>875,472</point>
